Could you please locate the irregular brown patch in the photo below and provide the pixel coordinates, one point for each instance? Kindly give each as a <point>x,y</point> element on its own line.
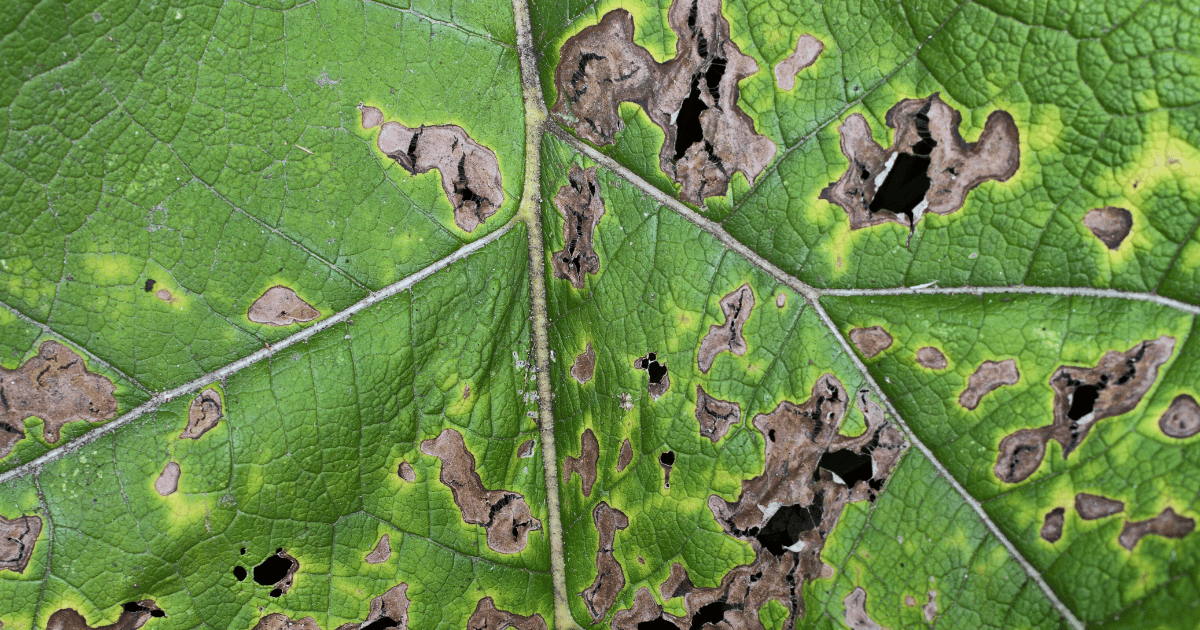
<point>856,611</point>
<point>643,611</point>
<point>581,207</point>
<point>57,387</point>
<point>585,464</point>
<point>910,601</point>
<point>405,471</point>
<point>808,48</point>
<point>990,376</point>
<point>781,300</point>
<point>1167,524</point>
<point>1182,418</point>
<point>470,172</point>
<point>133,615</point>
<point>625,456</point>
<point>931,358</point>
<point>526,449</point>
<point>1083,397</point>
<point>371,116</point>
<point>714,415</point>
<point>610,579</point>
<point>692,98</point>
<point>871,341</point>
<point>17,538</point>
<point>585,365</point>
<point>1109,224</point>
<point>667,461</point>
<point>488,617</point>
<point>277,621</point>
<point>626,401</point>
<point>204,414</point>
<point>389,610</point>
<point>165,296</point>
<point>382,551</point>
<point>1052,526</point>
<point>930,608</point>
<point>660,380</point>
<point>277,571</point>
<point>678,583</point>
<point>168,481</point>
<point>929,167</point>
<point>280,306</point>
<point>1093,506</point>
<point>736,306</point>
<point>504,514</point>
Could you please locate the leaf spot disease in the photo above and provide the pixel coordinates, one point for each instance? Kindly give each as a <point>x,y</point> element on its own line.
<point>277,621</point>
<point>808,48</point>
<point>277,571</point>
<point>1093,506</point>
<point>931,358</point>
<point>581,206</point>
<point>667,461</point>
<point>736,307</point>
<point>389,610</point>
<point>488,617</point>
<point>17,538</point>
<point>168,481</point>
<point>1182,418</point>
<point>856,611</point>
<point>1109,224</point>
<point>134,615</point>
<point>585,464</point>
<point>584,366</point>
<point>625,456</point>
<point>1052,525</point>
<point>610,579</point>
<point>405,471</point>
<point>280,306</point>
<point>714,415</point>
<point>871,341</point>
<point>987,378</point>
<point>381,552</point>
<point>660,380</point>
<point>1167,524</point>
<point>204,414</point>
<point>526,448</point>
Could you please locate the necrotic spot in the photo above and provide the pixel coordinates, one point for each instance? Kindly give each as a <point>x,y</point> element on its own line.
<point>908,181</point>
<point>272,570</point>
<point>851,467</point>
<point>1083,401</point>
<point>667,458</point>
<point>657,623</point>
<point>687,123</point>
<point>239,572</point>
<point>784,527</point>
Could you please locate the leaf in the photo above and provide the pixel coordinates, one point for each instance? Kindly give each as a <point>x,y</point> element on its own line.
<point>347,396</point>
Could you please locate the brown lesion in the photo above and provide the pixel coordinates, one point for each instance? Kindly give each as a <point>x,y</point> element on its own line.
<point>470,172</point>
<point>610,579</point>
<point>405,472</point>
<point>625,456</point>
<point>855,611</point>
<point>280,306</point>
<point>929,168</point>
<point>736,307</point>
<point>1093,506</point>
<point>584,366</point>
<point>203,415</point>
<point>392,606</point>
<point>871,341</point>
<point>56,386</point>
<point>488,617</point>
<point>1109,224</point>
<point>266,572</point>
<point>585,464</point>
<point>659,377</point>
<point>17,539</point>
<point>503,513</point>
<point>1167,524</point>
<point>134,615</point>
<point>1083,397</point>
<point>278,621</point>
<point>692,97</point>
<point>931,358</point>
<point>581,206</point>
<point>1052,525</point>
<point>526,448</point>
<point>714,415</point>
<point>168,481</point>
<point>382,551</point>
<point>987,378</point>
<point>1182,418</point>
<point>808,48</point>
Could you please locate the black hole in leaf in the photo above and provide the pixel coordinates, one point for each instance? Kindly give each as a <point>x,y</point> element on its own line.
<point>713,613</point>
<point>158,613</point>
<point>667,458</point>
<point>771,435</point>
<point>243,551</point>
<point>133,607</point>
<point>906,184</point>
<point>1083,401</point>
<point>381,624</point>
<point>277,592</point>
<point>272,570</point>
<point>713,75</point>
<point>239,573</point>
<point>657,624</point>
<point>784,527</point>
<point>687,122</point>
<point>851,467</point>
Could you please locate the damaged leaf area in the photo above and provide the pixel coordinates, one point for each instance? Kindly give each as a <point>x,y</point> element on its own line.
<point>17,538</point>
<point>204,414</point>
<point>134,615</point>
<point>581,207</point>
<point>585,464</point>
<point>736,307</point>
<point>610,579</point>
<point>280,306</point>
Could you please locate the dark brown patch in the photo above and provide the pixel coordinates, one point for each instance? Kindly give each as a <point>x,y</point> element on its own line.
<point>280,306</point>
<point>660,380</point>
<point>277,571</point>
<point>168,481</point>
<point>55,386</point>
<point>927,154</point>
<point>626,455</point>
<point>692,98</point>
<point>736,306</point>
<point>1083,397</point>
<point>488,617</point>
<point>989,377</point>
<point>390,610</point>
<point>585,464</point>
<point>133,615</point>
<point>678,583</point>
<point>466,392</point>
<point>1182,418</point>
<point>1052,526</point>
<point>644,611</point>
<point>204,414</point>
<point>931,358</point>
<point>856,611</point>
<point>714,415</point>
<point>381,552</point>
<point>526,449</point>
<point>1093,506</point>
<point>1110,225</point>
<point>581,207</point>
<point>504,514</point>
<point>808,48</point>
<point>277,621</point>
<point>17,538</point>
<point>371,116</point>
<point>470,172</point>
<point>871,341</point>
<point>585,365</point>
<point>1167,524</point>
<point>405,471</point>
<point>610,579</point>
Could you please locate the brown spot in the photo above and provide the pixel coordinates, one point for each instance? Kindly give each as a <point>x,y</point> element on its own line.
<point>526,449</point>
<point>1093,506</point>
<point>488,617</point>
<point>17,538</point>
<point>1167,524</point>
<point>382,551</point>
<point>581,207</point>
<point>931,358</point>
<point>55,386</point>
<point>678,584</point>
<point>610,579</point>
<point>389,609</point>
<point>1110,225</point>
<point>504,514</point>
<point>660,380</point>
<point>781,299</point>
<point>871,341</point>
<point>277,571</point>
<point>133,615</point>
<point>1182,418</point>
<point>930,608</point>
<point>277,621</point>
<point>466,392</point>
<point>644,610</point>
<point>929,167</point>
<point>910,601</point>
<point>470,172</point>
<point>808,48</point>
<point>168,482</point>
<point>736,306</point>
<point>406,472</point>
<point>856,611</point>
<point>204,414</point>
<point>714,415</point>
<point>585,464</point>
<point>989,377</point>
<point>626,455</point>
<point>693,98</point>
<point>1083,397</point>
<point>280,306</point>
<point>371,116</point>
<point>164,295</point>
<point>626,401</point>
<point>584,365</point>
<point>1052,526</point>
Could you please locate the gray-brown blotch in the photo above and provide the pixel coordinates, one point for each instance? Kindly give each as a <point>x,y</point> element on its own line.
<point>168,481</point>
<point>808,48</point>
<point>693,97</point>
<point>990,376</point>
<point>714,415</point>
<point>1093,506</point>
<point>659,376</point>
<point>392,606</point>
<point>1182,418</point>
<point>581,206</point>
<point>855,613</point>
<point>133,616</point>
<point>585,464</point>
<point>204,414</point>
<point>610,579</point>
<point>57,387</point>
<point>584,366</point>
<point>405,471</point>
<point>1052,526</point>
<point>382,551</point>
<point>625,456</point>
<point>17,539</point>
<point>1083,397</point>
<point>1109,224</point>
<point>736,306</point>
<point>503,513</point>
<point>954,166</point>
<point>488,617</point>
<point>1167,524</point>
<point>278,621</point>
<point>931,358</point>
<point>470,172</point>
<point>280,306</point>
<point>871,341</point>
<point>526,448</point>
